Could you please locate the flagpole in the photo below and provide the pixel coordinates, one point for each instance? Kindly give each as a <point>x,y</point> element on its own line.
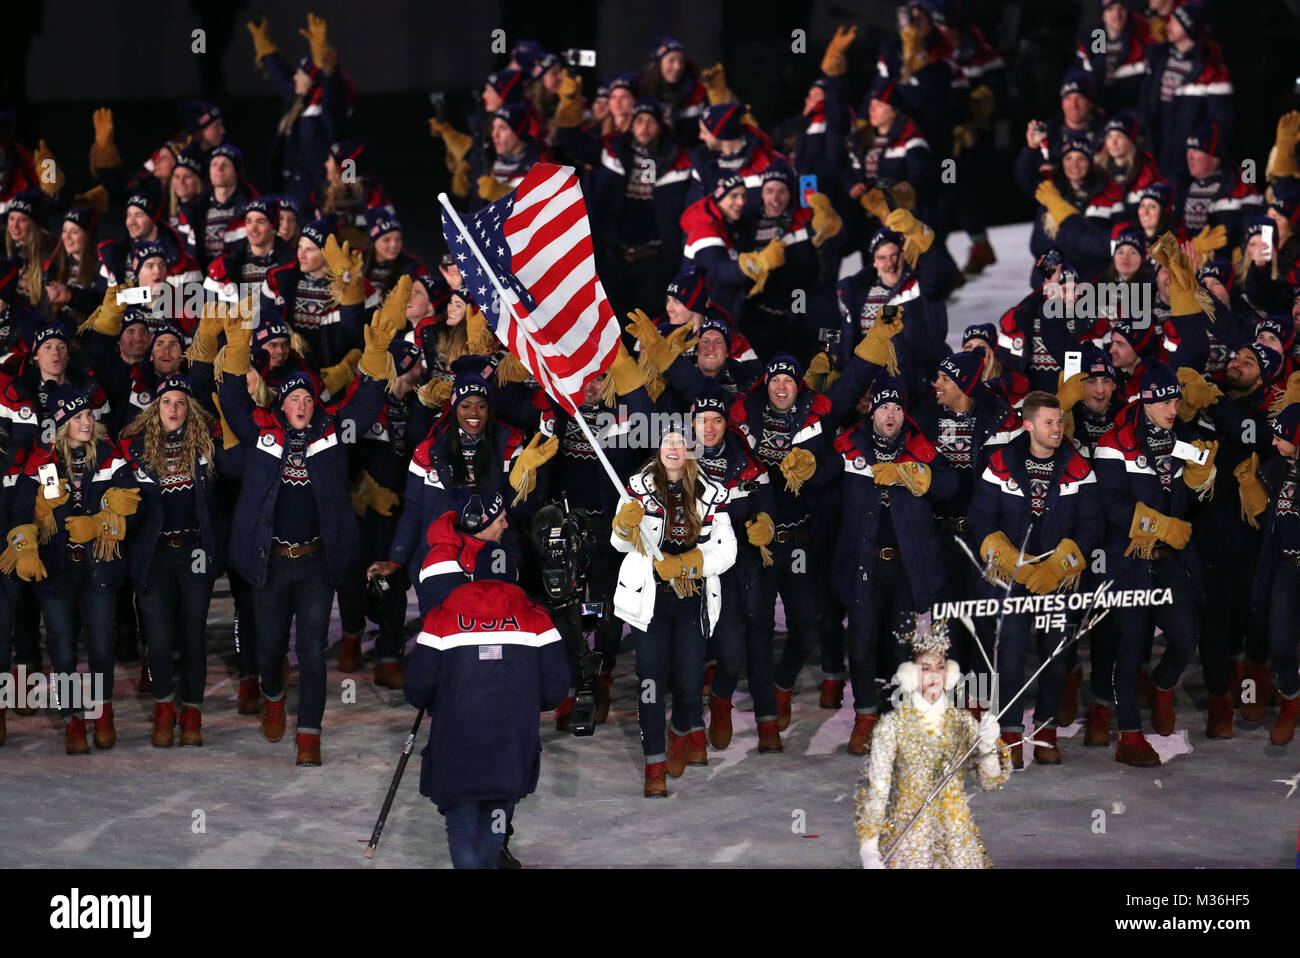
<point>545,373</point>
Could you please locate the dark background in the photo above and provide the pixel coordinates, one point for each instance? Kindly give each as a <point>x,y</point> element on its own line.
<point>60,60</point>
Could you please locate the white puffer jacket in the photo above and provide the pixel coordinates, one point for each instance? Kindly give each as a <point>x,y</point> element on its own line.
<point>634,598</point>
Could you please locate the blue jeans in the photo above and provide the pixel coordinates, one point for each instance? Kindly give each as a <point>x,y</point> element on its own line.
<point>174,608</point>
<point>476,830</point>
<point>1013,649</point>
<point>72,605</point>
<point>1283,628</point>
<point>674,642</point>
<point>296,591</point>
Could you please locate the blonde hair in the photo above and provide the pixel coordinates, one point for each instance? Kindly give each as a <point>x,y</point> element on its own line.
<point>32,282</point>
<point>63,445</point>
<point>195,444</point>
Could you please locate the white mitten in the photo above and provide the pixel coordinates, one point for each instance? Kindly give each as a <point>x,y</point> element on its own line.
<point>988,733</point>
<point>870,853</point>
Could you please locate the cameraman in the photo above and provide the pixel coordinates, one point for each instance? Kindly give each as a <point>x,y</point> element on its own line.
<point>486,663</point>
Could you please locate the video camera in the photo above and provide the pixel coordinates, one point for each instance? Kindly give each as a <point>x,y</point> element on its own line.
<point>568,540</point>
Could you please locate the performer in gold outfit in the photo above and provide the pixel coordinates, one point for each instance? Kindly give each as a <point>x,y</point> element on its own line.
<point>912,749</point>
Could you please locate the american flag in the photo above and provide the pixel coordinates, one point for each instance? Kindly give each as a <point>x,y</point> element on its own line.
<point>538,243</point>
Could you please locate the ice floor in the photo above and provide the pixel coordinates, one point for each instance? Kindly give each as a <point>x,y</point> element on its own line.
<point>240,802</point>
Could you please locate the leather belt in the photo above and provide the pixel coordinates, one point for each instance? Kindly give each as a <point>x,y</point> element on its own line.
<point>949,524</point>
<point>889,552</point>
<point>631,254</point>
<point>179,540</point>
<point>74,555</point>
<point>297,550</point>
<point>1163,551</point>
<point>790,535</point>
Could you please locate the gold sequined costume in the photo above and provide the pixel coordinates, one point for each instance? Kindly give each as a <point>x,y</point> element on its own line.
<point>910,750</point>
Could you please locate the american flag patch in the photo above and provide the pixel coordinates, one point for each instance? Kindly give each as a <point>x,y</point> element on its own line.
<point>489,652</point>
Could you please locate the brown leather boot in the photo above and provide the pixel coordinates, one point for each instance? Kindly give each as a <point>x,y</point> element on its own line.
<point>250,695</point>
<point>74,737</point>
<point>105,730</point>
<point>388,675</point>
<point>719,722</point>
<point>675,764</point>
<point>145,685</point>
<point>1016,743</point>
<point>860,738</point>
<point>697,748</point>
<point>562,713</point>
<point>164,725</point>
<point>1162,713</point>
<point>1219,722</point>
<point>1146,693</point>
<point>656,786</point>
<point>308,749</point>
<point>1284,728</point>
<point>349,653</point>
<point>769,738</point>
<point>1045,750</point>
<point>1257,673</point>
<point>1235,681</point>
<point>602,697</point>
<point>1098,731</point>
<point>191,727</point>
<point>1135,750</point>
<point>782,709</point>
<point>1070,699</point>
<point>832,694</point>
<point>273,721</point>
<point>981,255</point>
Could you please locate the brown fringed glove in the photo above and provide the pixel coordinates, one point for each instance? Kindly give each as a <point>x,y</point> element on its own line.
<point>1149,526</point>
<point>879,203</point>
<point>826,223</point>
<point>22,555</point>
<point>492,189</point>
<point>48,174</point>
<point>107,317</point>
<point>103,151</point>
<point>833,61</point>
<point>658,352</point>
<point>1200,478</point>
<point>45,524</point>
<point>877,345</point>
<point>760,531</point>
<point>1254,500</point>
<point>1209,239</point>
<point>798,467</point>
<point>914,477</point>
<point>376,361</point>
<point>624,376</point>
<point>1286,397</point>
<point>337,377</point>
<point>1000,557</point>
<point>1198,393</point>
<point>523,474</point>
<point>1058,208</point>
<point>627,522</point>
<point>123,502</point>
<point>384,500</point>
<point>322,54</point>
<point>569,112</point>
<point>1070,392</point>
<point>758,265</point>
<point>435,393</point>
<point>715,85</point>
<point>363,492</point>
<point>345,267</point>
<point>916,234</point>
<point>1063,568</point>
<point>1186,296</point>
<point>1281,160</point>
<point>458,144</point>
<point>261,34</point>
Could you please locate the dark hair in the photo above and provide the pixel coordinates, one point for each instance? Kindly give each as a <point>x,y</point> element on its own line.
<point>1035,401</point>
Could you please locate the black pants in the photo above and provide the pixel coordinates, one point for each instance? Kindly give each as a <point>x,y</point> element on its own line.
<point>792,576</point>
<point>739,641</point>
<point>1284,628</point>
<point>673,644</point>
<point>1134,629</point>
<point>297,592</point>
<point>884,609</point>
<point>241,592</point>
<point>174,606</point>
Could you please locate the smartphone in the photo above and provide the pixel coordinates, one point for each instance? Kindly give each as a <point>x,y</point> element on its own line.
<point>1266,234</point>
<point>1073,362</point>
<point>49,478</point>
<point>1190,453</point>
<point>580,58</point>
<point>807,187</point>
<point>135,296</point>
